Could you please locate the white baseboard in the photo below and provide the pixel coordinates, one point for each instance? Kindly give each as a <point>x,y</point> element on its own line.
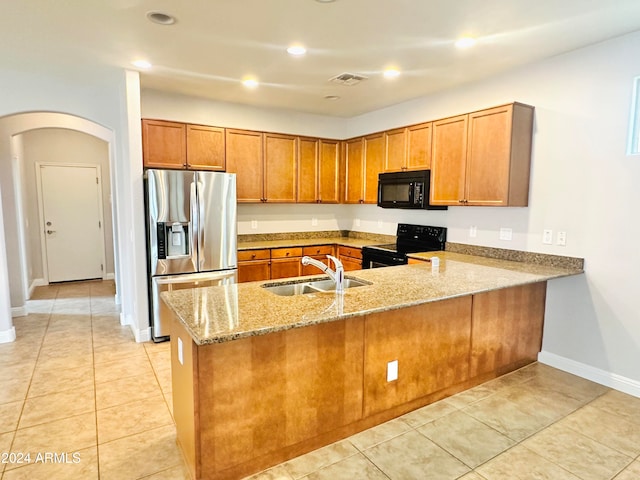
<point>19,311</point>
<point>8,336</point>
<point>109,276</point>
<point>608,379</point>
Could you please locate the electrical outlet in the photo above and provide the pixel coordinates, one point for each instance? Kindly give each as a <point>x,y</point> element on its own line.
<point>547,237</point>
<point>506,234</point>
<point>180,351</point>
<point>379,223</point>
<point>357,222</point>
<point>562,239</point>
<point>392,371</point>
<point>254,224</point>
<point>314,222</point>
<point>473,231</point>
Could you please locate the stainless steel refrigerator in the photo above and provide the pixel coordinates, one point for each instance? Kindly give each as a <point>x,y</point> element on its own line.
<point>191,234</point>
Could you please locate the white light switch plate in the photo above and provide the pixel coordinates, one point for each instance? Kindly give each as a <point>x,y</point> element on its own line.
<point>314,222</point>
<point>473,231</point>
<point>562,239</point>
<point>547,237</point>
<point>392,371</point>
<point>254,224</point>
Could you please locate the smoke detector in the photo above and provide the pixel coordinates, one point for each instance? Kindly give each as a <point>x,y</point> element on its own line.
<point>348,79</point>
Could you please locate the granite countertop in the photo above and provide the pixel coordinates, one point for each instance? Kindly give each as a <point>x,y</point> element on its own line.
<point>305,242</point>
<point>220,314</point>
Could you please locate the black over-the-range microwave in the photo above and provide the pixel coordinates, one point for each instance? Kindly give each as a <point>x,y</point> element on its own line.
<point>408,189</point>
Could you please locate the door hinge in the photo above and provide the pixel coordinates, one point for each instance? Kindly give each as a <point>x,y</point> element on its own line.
<point>99,224</point>
<point>101,267</point>
<point>96,180</point>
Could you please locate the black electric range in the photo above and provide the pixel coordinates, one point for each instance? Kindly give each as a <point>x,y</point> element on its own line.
<point>411,239</point>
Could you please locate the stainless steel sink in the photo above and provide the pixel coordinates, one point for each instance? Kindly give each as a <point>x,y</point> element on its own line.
<point>301,287</point>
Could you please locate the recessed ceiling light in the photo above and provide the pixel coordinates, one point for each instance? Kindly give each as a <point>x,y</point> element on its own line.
<point>465,42</point>
<point>331,97</point>
<point>161,18</point>
<point>325,1</point>
<point>296,50</point>
<point>391,73</point>
<point>250,82</point>
<point>142,64</point>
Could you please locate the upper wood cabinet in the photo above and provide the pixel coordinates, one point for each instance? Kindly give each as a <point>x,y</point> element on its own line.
<point>483,158</point>
<point>280,167</point>
<point>408,148</point>
<point>419,146</point>
<point>448,163</point>
<point>164,144</point>
<point>244,157</point>
<point>318,170</point>
<point>364,160</point>
<point>205,147</point>
<point>354,171</point>
<point>180,145</point>
<point>329,171</point>
<point>373,165</point>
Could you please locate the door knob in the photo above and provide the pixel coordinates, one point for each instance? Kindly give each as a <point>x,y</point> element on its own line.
<point>51,231</point>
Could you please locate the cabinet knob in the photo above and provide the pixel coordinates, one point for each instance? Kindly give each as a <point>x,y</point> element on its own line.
<point>317,251</point>
<point>287,254</point>
<point>253,255</point>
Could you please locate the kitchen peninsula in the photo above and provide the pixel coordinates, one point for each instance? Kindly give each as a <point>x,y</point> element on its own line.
<point>260,378</point>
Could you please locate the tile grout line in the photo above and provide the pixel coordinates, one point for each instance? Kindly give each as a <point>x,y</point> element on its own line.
<point>95,390</point>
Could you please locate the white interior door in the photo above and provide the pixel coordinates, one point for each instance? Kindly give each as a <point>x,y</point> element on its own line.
<point>71,213</point>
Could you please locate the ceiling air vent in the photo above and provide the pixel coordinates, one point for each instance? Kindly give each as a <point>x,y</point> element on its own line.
<point>347,79</point>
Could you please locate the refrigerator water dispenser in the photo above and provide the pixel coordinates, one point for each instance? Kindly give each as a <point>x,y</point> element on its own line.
<point>173,239</point>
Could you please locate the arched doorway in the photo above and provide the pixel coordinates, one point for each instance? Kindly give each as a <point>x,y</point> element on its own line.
<point>14,272</point>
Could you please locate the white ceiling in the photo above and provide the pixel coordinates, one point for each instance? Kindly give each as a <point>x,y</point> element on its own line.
<point>215,43</point>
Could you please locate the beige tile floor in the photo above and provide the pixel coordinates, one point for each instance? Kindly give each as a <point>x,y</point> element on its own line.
<point>76,382</point>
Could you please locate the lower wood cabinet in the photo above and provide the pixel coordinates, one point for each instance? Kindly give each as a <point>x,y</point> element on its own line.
<point>286,262</point>
<point>254,265</point>
<point>317,252</point>
<point>351,258</point>
<point>244,405</point>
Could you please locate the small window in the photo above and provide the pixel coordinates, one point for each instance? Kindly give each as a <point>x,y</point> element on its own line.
<point>633,144</point>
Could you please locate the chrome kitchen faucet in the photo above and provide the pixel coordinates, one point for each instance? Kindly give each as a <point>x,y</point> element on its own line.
<point>337,276</point>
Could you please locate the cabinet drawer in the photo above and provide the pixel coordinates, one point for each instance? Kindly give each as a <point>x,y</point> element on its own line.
<point>350,252</point>
<point>246,255</point>
<point>318,250</point>
<point>286,252</point>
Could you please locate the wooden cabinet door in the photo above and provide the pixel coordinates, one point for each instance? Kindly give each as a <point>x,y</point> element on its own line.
<point>373,165</point>
<point>286,267</point>
<point>280,168</point>
<point>308,184</point>
<point>205,148</point>
<point>244,158</point>
<point>329,172</point>
<point>350,264</point>
<point>163,144</point>
<point>354,171</point>
<point>487,175</point>
<point>419,146</point>
<point>448,163</point>
<point>254,270</point>
<point>395,144</point>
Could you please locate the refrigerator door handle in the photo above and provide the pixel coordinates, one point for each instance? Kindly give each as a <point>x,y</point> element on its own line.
<point>195,226</point>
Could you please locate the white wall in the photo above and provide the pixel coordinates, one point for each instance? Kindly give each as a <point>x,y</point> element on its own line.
<point>56,145</point>
<point>582,182</point>
<point>100,95</point>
